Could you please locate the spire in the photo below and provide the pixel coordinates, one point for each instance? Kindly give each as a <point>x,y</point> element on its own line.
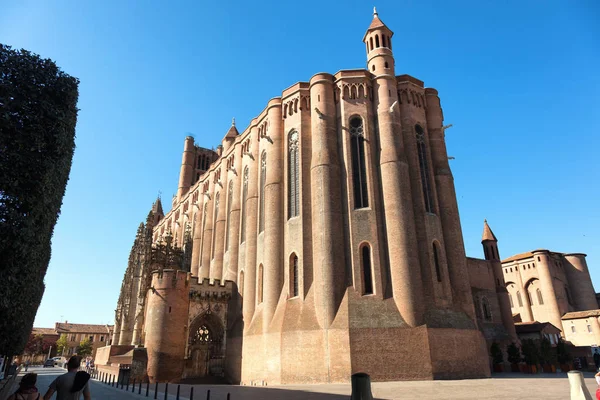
<point>157,207</point>
<point>377,24</point>
<point>232,132</point>
<point>487,233</point>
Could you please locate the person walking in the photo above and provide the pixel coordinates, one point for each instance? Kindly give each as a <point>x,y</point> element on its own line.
<point>27,389</point>
<point>72,385</point>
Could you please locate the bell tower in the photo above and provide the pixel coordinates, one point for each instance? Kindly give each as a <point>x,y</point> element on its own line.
<point>378,39</point>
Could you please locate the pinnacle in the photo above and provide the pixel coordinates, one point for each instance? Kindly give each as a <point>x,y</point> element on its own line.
<point>487,232</point>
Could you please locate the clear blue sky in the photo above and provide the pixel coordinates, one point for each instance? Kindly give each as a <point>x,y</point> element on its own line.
<point>519,80</point>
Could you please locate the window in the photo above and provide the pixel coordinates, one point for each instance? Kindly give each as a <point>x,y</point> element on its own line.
<point>573,328</point>
<point>263,178</point>
<point>519,300</point>
<point>424,167</point>
<point>512,305</point>
<point>359,170</point>
<point>487,312</point>
<point>539,296</point>
<point>529,296</point>
<point>589,328</point>
<point>202,335</point>
<point>383,40</point>
<point>244,195</point>
<point>367,273</point>
<point>293,176</point>
<point>202,232</point>
<point>259,293</point>
<point>241,285</point>
<point>371,42</point>
<point>294,275</point>
<point>73,338</point>
<point>214,237</point>
<point>229,200</point>
<point>436,260</point>
<point>91,338</point>
<point>376,40</point>
<point>485,250</point>
<point>102,338</point>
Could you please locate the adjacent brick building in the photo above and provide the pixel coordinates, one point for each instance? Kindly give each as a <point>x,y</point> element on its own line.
<point>99,335</point>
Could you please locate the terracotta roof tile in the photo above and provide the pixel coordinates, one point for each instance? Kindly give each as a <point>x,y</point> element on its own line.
<point>532,327</point>
<point>82,328</point>
<point>520,256</point>
<point>43,331</point>
<point>581,314</point>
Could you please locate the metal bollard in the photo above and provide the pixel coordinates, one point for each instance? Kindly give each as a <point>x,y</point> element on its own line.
<point>361,387</point>
<point>208,395</point>
<point>140,391</point>
<point>133,388</point>
<point>122,379</point>
<point>147,387</point>
<point>177,396</point>
<point>166,390</point>
<point>127,390</point>
<point>191,393</point>
<point>156,390</point>
<point>228,396</point>
<point>112,378</point>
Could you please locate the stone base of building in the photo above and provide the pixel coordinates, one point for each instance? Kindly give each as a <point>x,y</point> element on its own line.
<point>122,363</point>
<point>386,354</point>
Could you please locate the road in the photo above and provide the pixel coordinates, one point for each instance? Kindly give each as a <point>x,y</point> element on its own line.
<point>500,386</point>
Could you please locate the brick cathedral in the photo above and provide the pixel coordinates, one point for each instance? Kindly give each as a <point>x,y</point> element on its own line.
<point>321,241</point>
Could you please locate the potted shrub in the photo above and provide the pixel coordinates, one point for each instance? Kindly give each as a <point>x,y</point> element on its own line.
<point>531,356</point>
<point>514,357</point>
<point>563,356</point>
<point>497,357</point>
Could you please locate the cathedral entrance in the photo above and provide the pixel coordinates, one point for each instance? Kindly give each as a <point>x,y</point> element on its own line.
<point>205,355</point>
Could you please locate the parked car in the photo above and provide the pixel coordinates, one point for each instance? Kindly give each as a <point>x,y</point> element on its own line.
<point>49,363</point>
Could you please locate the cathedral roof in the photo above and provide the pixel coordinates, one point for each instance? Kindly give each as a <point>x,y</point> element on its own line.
<point>519,256</point>
<point>487,232</point>
<point>377,24</point>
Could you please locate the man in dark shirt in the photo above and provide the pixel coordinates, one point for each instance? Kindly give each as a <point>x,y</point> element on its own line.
<point>64,383</point>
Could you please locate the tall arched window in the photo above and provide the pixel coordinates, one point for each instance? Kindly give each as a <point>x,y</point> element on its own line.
<point>377,41</point>
<point>529,296</point>
<point>259,289</point>
<point>293,176</point>
<point>424,167</point>
<point>263,179</point>
<point>359,169</point>
<point>371,42</point>
<point>214,236</point>
<point>241,286</point>
<point>487,312</point>
<point>436,260</point>
<point>294,275</point>
<point>512,305</point>
<point>228,216</point>
<point>539,296</point>
<point>202,232</point>
<point>244,195</point>
<point>519,300</point>
<point>367,270</point>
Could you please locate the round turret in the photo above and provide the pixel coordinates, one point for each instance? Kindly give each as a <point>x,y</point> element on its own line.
<point>166,324</point>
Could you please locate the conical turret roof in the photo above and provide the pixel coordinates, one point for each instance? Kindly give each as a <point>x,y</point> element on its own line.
<point>157,208</point>
<point>487,232</point>
<point>377,24</point>
<point>232,132</point>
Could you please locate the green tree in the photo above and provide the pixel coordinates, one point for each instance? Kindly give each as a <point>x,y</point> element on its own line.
<point>496,353</point>
<point>547,352</point>
<point>85,348</point>
<point>531,352</point>
<point>38,113</point>
<point>61,344</point>
<point>514,353</point>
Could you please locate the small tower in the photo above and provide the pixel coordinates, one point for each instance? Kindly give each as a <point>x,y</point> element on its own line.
<point>230,136</point>
<point>489,242</point>
<point>378,39</point>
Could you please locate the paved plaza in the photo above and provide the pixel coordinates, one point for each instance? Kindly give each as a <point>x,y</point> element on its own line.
<point>504,386</point>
